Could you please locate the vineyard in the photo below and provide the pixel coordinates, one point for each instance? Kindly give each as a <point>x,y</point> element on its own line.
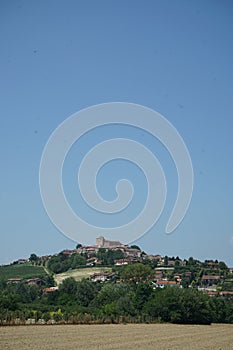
<point>24,271</point>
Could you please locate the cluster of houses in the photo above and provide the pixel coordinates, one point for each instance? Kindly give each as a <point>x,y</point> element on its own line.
<point>163,271</point>
<point>31,282</point>
<point>103,276</point>
<point>131,254</point>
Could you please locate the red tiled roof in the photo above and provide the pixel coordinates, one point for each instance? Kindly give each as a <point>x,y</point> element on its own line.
<point>50,289</point>
<point>208,277</point>
<point>167,282</point>
<point>212,293</point>
<point>15,279</point>
<point>226,293</point>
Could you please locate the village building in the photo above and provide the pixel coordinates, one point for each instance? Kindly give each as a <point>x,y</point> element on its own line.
<point>210,280</point>
<point>165,283</point>
<point>14,280</point>
<point>102,277</point>
<point>50,289</point>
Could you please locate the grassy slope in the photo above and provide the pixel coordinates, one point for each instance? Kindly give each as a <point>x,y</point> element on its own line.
<point>79,274</point>
<point>26,270</point>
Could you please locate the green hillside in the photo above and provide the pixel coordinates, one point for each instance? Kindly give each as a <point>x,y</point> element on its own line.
<point>25,271</point>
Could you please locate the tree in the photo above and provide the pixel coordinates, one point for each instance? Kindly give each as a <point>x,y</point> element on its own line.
<point>195,307</point>
<point>8,302</point>
<point>110,293</point>
<point>165,263</point>
<point>134,246</point>
<point>33,258</point>
<point>46,316</point>
<point>222,265</point>
<point>219,309</point>
<point>49,281</point>
<point>77,260</point>
<point>142,294</point>
<point>108,257</point>
<point>57,317</point>
<point>68,286</point>
<point>101,255</point>
<point>125,304</point>
<point>86,291</point>
<point>191,261</point>
<point>173,304</point>
<point>185,281</point>
<point>59,263</point>
<point>137,272</point>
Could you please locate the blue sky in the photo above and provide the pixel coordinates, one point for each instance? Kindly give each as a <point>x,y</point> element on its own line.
<point>58,57</point>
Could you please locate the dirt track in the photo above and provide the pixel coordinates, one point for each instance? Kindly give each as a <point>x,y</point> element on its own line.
<point>114,337</point>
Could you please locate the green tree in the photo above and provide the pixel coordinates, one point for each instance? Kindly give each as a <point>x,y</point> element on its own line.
<point>218,309</point>
<point>110,292</point>
<point>126,305</point>
<point>33,258</point>
<point>57,317</point>
<point>8,302</point>
<point>101,255</point>
<point>176,305</point>
<point>86,291</point>
<point>46,316</point>
<point>222,265</point>
<point>165,263</point>
<point>185,281</point>
<point>134,246</point>
<point>191,261</point>
<point>68,286</point>
<point>77,260</point>
<point>59,263</point>
<point>49,281</point>
<point>195,307</point>
<point>142,294</point>
<point>137,273</point>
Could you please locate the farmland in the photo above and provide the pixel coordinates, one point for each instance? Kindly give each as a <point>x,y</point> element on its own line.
<point>114,337</point>
<point>24,271</point>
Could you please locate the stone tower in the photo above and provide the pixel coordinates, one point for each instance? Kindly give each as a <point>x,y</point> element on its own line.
<point>100,242</point>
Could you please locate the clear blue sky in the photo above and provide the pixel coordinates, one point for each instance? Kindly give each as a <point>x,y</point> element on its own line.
<point>58,57</point>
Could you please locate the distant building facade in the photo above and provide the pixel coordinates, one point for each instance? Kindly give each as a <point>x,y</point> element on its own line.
<point>101,242</point>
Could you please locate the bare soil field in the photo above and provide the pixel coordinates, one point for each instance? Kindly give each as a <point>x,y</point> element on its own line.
<point>114,337</point>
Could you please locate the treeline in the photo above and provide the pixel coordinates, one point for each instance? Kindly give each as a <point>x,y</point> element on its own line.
<point>128,300</point>
<point>61,262</point>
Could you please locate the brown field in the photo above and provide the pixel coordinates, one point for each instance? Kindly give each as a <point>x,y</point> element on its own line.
<point>114,337</point>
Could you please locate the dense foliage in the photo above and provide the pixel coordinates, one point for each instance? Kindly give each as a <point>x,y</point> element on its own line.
<point>130,292</point>
<point>107,257</point>
<point>127,301</point>
<point>61,263</point>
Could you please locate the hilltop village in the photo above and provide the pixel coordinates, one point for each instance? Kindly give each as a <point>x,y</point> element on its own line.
<point>110,282</point>
<point>210,276</point>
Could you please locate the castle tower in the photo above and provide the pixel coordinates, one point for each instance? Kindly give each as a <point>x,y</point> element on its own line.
<point>100,241</point>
